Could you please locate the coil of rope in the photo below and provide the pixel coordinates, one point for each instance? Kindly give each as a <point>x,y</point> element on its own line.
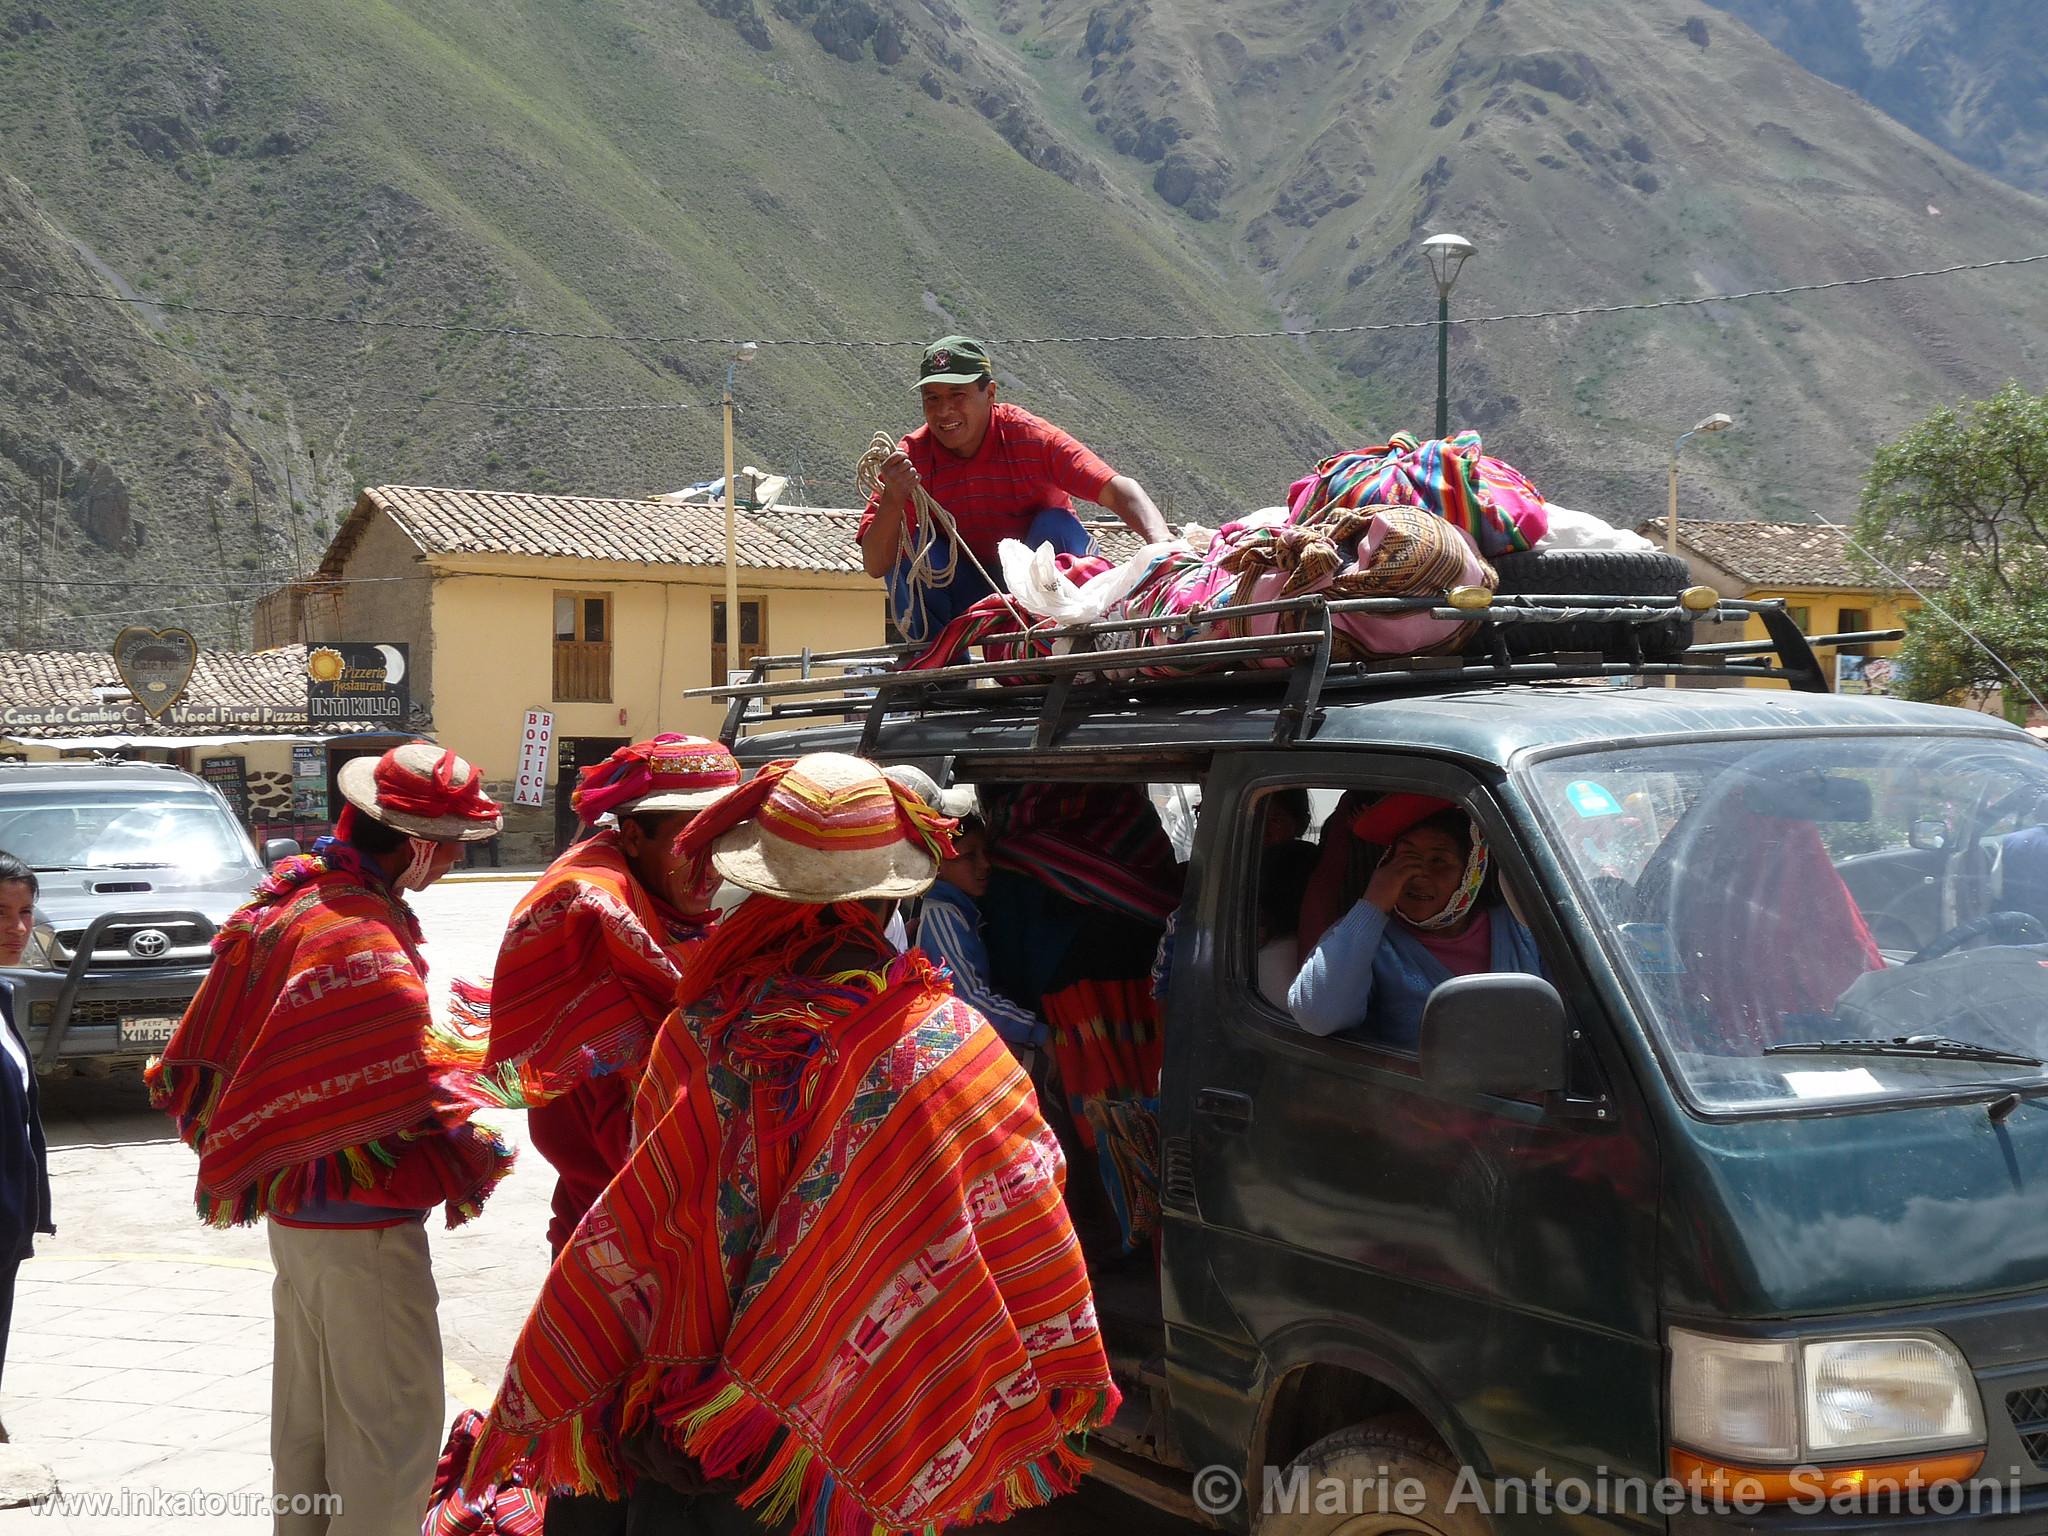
<point>921,548</point>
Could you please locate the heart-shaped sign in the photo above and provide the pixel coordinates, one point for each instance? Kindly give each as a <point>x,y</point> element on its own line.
<point>156,665</point>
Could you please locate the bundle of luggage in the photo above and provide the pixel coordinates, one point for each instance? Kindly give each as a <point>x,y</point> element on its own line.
<point>1402,518</point>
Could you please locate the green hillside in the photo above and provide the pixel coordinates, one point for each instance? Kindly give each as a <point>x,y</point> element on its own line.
<point>854,170</point>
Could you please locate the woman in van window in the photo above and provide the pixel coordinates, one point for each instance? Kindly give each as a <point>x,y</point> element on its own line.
<point>24,1163</point>
<point>1431,911</point>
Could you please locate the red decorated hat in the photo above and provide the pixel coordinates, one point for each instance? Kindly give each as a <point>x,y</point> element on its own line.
<point>669,773</point>
<point>423,791</point>
<point>1383,822</point>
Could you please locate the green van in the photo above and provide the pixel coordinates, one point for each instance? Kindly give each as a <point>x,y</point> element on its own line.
<point>1734,1217</point>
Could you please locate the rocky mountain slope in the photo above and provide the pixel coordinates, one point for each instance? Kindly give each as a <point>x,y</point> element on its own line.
<point>1971,75</point>
<point>856,170</point>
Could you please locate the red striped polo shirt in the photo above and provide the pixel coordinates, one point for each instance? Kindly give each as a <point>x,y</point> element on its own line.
<point>1023,466</point>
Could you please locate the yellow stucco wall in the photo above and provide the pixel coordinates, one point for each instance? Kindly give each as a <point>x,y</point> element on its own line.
<point>1824,607</point>
<point>493,647</point>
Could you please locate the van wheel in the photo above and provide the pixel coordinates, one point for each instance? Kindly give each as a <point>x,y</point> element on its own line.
<point>1363,1473</point>
<point>1609,572</point>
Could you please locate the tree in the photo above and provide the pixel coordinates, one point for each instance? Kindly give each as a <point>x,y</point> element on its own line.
<point>1960,503</point>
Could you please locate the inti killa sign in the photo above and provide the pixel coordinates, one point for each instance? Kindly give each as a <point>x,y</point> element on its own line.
<point>357,684</point>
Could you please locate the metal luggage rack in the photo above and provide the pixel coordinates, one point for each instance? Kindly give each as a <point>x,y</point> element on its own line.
<point>870,685</point>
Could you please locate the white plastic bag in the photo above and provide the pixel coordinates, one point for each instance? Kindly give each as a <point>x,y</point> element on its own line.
<point>1582,530</point>
<point>1034,579</point>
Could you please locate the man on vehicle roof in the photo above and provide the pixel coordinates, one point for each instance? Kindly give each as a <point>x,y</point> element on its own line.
<point>1001,472</point>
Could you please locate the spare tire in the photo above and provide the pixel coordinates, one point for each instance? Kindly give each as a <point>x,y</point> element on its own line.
<point>1590,572</point>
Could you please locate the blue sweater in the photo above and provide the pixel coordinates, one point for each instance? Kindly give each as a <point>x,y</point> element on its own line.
<point>949,929</point>
<point>1368,977</point>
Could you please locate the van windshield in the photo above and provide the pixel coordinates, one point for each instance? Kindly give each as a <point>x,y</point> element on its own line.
<point>113,829</point>
<point>1821,919</point>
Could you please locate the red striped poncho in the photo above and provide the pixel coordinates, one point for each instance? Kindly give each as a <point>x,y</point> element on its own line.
<point>585,975</point>
<point>300,1070</point>
<point>838,1270</point>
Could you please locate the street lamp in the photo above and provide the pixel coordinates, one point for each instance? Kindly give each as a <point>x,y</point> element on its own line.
<point>1446,254</point>
<point>1720,421</point>
<point>743,353</point>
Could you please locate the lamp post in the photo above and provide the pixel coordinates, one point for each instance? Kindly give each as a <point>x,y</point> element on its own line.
<point>744,353</point>
<point>1446,254</point>
<point>1720,421</point>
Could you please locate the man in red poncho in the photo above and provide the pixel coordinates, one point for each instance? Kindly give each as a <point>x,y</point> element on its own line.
<point>300,1074</point>
<point>835,1283</point>
<point>589,963</point>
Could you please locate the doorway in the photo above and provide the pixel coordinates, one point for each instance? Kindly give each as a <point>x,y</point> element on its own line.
<point>573,754</point>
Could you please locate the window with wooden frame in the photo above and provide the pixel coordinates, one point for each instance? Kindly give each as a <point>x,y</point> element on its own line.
<point>753,634</point>
<point>583,647</point>
<point>1852,621</point>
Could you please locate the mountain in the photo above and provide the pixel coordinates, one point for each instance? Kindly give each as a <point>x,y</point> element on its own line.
<point>1971,75</point>
<point>842,172</point>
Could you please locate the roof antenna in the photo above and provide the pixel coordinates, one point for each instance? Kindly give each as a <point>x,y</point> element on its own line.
<point>1968,634</point>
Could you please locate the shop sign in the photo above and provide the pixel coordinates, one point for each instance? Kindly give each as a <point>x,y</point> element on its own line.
<point>229,775</point>
<point>1868,674</point>
<point>357,684</point>
<point>155,664</point>
<point>309,782</point>
<point>536,735</point>
<point>134,718</point>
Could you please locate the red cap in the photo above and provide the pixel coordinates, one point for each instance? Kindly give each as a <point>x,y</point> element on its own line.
<point>1383,822</point>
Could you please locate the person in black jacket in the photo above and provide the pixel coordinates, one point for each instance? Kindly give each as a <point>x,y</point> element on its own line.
<point>24,1161</point>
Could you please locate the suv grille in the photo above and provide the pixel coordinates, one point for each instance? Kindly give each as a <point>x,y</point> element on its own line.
<point>184,943</point>
<point>101,1010</point>
<point>2029,1410</point>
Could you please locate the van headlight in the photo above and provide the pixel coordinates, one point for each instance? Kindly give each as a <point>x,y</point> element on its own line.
<point>1780,1402</point>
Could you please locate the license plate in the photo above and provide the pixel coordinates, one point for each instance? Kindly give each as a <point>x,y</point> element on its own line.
<point>153,1030</point>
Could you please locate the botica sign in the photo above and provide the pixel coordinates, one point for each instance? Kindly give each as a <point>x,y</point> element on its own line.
<point>357,684</point>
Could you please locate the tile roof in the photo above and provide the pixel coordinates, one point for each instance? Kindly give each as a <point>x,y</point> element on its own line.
<point>447,522</point>
<point>443,521</point>
<point>242,693</point>
<point>1780,554</point>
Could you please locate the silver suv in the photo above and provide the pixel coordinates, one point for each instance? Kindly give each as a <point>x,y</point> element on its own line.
<point>139,863</point>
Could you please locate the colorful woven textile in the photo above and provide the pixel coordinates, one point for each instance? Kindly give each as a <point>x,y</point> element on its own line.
<point>838,1266</point>
<point>586,973</point>
<point>1107,1043</point>
<point>1101,844</point>
<point>1491,502</point>
<point>1126,1133</point>
<point>510,1510</point>
<point>1387,551</point>
<point>300,1069</point>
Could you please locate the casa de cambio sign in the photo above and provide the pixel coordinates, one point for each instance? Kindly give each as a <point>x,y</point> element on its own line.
<point>134,717</point>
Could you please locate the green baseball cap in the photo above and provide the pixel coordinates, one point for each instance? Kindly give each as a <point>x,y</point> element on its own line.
<point>954,360</point>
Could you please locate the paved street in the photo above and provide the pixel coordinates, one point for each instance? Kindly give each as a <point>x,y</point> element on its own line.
<point>139,1362</point>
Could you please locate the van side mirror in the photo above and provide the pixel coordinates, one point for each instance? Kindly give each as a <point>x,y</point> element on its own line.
<point>277,849</point>
<point>1498,1032</point>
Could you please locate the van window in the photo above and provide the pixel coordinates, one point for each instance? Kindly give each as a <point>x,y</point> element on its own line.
<point>1783,908</point>
<point>1364,902</point>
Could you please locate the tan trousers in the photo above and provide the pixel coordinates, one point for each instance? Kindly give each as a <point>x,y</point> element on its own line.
<point>355,1383</point>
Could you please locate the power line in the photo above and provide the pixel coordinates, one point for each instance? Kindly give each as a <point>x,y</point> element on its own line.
<point>617,338</point>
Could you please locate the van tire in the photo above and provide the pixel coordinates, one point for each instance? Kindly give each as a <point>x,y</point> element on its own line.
<point>1605,572</point>
<point>1356,1455</point>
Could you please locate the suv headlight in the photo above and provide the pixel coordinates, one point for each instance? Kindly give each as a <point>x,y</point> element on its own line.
<point>41,951</point>
<point>1771,1402</point>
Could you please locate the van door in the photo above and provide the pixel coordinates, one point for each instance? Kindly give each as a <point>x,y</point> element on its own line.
<point>1489,1259</point>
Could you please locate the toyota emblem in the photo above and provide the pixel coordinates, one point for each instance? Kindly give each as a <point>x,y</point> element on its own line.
<point>150,944</point>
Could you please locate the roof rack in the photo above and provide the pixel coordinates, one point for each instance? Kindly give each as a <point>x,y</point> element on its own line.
<point>872,684</point>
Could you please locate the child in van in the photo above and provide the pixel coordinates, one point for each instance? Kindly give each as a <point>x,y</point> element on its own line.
<point>949,929</point>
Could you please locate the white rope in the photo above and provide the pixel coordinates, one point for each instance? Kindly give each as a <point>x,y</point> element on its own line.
<point>920,549</point>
